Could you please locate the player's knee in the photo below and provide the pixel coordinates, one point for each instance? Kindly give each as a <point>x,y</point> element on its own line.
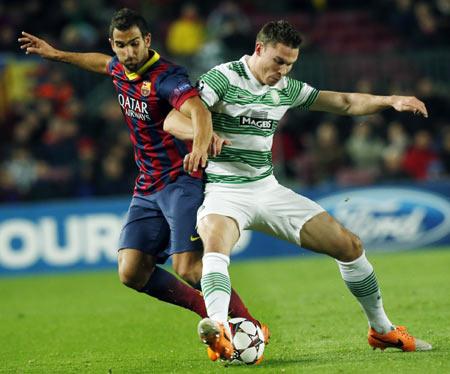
<point>349,247</point>
<point>132,278</point>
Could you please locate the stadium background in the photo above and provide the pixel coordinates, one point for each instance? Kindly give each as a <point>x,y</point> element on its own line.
<point>67,168</point>
<point>67,172</point>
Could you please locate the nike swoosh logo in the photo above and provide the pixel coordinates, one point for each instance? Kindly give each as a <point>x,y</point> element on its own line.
<point>399,343</point>
<point>194,238</point>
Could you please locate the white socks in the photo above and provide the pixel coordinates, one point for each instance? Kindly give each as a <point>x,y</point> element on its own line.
<point>216,286</point>
<point>362,283</point>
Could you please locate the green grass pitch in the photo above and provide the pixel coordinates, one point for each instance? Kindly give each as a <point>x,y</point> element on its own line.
<point>89,323</point>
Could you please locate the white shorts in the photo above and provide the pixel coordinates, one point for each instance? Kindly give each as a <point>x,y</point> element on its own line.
<point>264,206</point>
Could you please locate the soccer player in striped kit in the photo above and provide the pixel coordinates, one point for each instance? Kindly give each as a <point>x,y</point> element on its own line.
<point>247,99</point>
<point>169,188</point>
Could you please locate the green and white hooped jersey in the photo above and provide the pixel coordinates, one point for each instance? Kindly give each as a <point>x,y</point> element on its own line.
<point>247,113</point>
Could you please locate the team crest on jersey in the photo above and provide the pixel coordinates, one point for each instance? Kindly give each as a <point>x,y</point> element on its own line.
<point>275,97</point>
<point>146,88</point>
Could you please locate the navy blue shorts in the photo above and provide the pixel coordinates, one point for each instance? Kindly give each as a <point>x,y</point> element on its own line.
<point>163,223</point>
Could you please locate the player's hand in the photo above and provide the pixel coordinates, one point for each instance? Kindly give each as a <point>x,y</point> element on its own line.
<point>197,158</point>
<point>215,147</point>
<point>409,104</point>
<point>33,45</point>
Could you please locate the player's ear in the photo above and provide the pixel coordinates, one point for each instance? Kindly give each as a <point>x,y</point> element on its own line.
<point>148,40</point>
<point>258,48</point>
<point>111,42</point>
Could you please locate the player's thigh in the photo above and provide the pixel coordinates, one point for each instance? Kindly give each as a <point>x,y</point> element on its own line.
<point>219,233</point>
<point>225,212</point>
<point>282,212</point>
<point>179,203</point>
<point>145,228</point>
<point>135,267</point>
<point>324,234</point>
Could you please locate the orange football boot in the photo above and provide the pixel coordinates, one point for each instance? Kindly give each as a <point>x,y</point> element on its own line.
<point>397,338</point>
<point>266,332</point>
<point>259,360</point>
<point>217,338</point>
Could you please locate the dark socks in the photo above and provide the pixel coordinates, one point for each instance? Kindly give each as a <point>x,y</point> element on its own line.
<point>238,309</point>
<point>166,287</point>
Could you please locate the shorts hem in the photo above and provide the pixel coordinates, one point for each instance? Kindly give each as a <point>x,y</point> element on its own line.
<point>307,219</point>
<point>238,223</point>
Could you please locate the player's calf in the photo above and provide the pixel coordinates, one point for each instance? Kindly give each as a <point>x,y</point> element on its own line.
<point>188,266</point>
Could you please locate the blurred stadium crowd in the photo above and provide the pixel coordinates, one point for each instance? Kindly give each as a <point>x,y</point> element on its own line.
<point>62,130</point>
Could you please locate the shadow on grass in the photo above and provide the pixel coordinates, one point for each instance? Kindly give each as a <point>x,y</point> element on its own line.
<point>275,362</point>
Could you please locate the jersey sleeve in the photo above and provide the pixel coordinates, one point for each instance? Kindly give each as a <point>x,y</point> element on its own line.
<point>212,86</point>
<point>175,87</point>
<point>112,66</point>
<point>303,94</point>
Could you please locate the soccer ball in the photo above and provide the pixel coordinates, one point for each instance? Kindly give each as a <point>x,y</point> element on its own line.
<point>248,341</point>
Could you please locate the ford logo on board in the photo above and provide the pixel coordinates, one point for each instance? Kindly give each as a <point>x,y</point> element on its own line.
<point>391,217</point>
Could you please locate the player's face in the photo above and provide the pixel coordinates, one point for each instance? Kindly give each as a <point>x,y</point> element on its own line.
<point>131,47</point>
<point>275,61</point>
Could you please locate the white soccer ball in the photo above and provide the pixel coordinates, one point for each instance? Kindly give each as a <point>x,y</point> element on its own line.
<point>248,341</point>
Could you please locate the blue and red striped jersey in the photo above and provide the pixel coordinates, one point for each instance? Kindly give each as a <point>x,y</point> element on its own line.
<point>146,97</point>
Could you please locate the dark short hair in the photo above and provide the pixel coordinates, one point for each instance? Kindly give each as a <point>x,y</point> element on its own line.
<point>125,18</point>
<point>279,32</point>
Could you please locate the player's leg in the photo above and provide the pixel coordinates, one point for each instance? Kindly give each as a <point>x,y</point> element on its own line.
<point>188,265</point>
<point>144,236</point>
<point>179,202</point>
<point>300,220</point>
<point>225,212</point>
<point>179,205</point>
<point>138,271</point>
<point>324,234</point>
<point>219,235</point>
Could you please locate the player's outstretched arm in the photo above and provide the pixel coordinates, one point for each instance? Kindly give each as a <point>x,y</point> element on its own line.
<point>355,104</point>
<point>96,62</point>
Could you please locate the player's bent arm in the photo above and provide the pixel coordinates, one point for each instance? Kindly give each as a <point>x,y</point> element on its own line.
<point>355,104</point>
<point>179,125</point>
<point>96,62</point>
<point>201,122</point>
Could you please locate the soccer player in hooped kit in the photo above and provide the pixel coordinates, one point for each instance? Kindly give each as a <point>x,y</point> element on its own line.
<point>169,188</point>
<point>247,98</point>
